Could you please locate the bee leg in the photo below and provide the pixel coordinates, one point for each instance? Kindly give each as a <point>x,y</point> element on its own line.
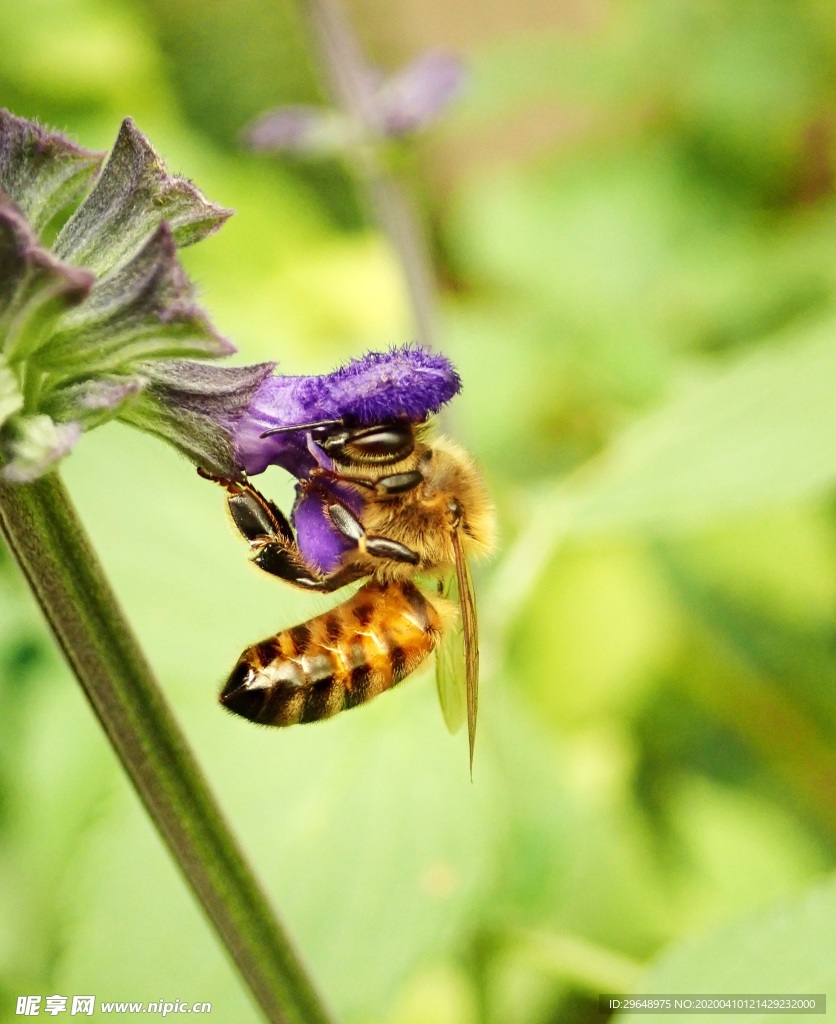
<point>378,547</point>
<point>255,517</point>
<point>395,483</point>
<point>270,536</point>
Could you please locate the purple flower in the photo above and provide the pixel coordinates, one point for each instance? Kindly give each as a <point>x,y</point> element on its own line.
<point>321,543</point>
<point>408,383</point>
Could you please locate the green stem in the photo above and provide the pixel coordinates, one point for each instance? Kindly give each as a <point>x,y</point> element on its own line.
<point>53,551</point>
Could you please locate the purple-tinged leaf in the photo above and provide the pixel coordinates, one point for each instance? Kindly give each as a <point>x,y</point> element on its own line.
<point>42,171</point>
<point>196,407</point>
<point>35,287</point>
<point>143,310</point>
<point>133,195</point>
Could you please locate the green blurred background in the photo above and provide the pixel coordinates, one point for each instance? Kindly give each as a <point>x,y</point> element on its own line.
<point>633,219</point>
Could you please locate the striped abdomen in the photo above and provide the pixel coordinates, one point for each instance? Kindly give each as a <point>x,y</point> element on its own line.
<point>338,660</point>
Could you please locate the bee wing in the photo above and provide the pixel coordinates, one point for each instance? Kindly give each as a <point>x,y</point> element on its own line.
<point>470,628</point>
<point>450,672</point>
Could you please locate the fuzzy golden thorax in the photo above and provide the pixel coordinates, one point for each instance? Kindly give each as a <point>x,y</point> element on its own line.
<point>453,495</point>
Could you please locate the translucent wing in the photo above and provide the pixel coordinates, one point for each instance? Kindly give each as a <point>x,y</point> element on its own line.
<point>467,603</point>
<point>450,672</point>
<point>457,656</point>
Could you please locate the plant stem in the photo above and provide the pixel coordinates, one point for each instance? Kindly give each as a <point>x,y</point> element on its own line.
<point>349,80</point>
<point>55,555</point>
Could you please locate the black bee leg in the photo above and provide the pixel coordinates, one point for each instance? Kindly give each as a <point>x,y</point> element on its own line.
<point>270,536</point>
<point>378,547</point>
<point>386,486</point>
<point>286,563</point>
<point>256,517</point>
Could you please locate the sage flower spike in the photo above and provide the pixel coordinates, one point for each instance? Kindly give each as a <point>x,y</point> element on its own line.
<point>98,323</point>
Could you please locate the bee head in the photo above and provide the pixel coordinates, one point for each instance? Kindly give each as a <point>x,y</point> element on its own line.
<point>454,473</point>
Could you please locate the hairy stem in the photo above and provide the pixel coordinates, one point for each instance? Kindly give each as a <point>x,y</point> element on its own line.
<point>52,549</point>
<point>348,78</point>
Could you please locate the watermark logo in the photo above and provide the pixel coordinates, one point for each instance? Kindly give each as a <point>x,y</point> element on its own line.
<point>30,1006</point>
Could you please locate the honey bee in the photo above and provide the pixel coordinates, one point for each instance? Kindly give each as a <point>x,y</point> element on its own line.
<point>407,512</point>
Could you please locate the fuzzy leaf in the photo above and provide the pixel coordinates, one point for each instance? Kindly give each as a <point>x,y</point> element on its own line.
<point>35,288</point>
<point>195,406</point>
<point>42,171</point>
<point>144,310</point>
<point>95,401</point>
<point>32,445</point>
<point>132,197</point>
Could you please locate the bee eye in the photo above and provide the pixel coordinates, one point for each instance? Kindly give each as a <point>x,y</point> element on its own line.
<point>383,444</point>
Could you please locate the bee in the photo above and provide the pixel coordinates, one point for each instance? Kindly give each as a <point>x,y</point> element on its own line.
<point>406,513</point>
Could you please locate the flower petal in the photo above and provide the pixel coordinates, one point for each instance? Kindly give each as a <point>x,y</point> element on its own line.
<point>408,383</point>
<point>303,130</point>
<point>319,541</point>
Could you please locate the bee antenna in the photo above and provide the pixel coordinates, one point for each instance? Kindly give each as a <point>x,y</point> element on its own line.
<point>301,426</point>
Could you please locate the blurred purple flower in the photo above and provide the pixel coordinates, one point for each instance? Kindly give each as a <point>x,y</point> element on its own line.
<point>407,383</point>
<point>402,104</point>
<point>420,93</point>
<point>304,130</point>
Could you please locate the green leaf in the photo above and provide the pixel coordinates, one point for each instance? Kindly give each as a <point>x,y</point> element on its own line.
<point>788,949</point>
<point>760,433</point>
<point>132,197</point>
<point>94,401</point>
